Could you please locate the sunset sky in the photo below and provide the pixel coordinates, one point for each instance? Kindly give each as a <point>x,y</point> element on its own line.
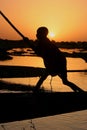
<point>65,19</point>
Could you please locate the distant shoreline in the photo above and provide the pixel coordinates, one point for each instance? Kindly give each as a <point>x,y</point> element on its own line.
<point>6,45</point>
<point>62,44</point>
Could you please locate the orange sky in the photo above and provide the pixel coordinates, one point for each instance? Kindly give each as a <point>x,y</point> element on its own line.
<point>67,19</point>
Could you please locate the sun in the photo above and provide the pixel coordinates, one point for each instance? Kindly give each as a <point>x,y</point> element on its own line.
<point>51,34</point>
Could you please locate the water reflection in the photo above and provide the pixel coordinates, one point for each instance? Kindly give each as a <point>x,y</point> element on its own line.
<point>24,61</point>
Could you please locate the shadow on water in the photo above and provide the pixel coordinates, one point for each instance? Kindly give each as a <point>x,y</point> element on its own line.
<point>29,105</point>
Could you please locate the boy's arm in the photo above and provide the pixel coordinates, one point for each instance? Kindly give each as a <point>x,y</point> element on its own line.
<point>29,43</point>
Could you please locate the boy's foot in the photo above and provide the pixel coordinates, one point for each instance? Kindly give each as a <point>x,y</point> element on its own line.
<point>38,90</point>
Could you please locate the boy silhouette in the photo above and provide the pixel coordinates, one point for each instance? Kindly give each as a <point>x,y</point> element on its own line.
<point>54,60</point>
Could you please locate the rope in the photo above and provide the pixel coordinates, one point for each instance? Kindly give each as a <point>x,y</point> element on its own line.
<point>51,83</point>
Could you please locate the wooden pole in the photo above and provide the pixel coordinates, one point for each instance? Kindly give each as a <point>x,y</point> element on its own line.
<point>12,25</point>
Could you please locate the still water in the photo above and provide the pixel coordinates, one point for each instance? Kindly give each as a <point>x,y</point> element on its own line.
<point>54,83</point>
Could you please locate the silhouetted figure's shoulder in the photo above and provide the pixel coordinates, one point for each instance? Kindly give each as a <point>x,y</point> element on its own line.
<point>46,48</point>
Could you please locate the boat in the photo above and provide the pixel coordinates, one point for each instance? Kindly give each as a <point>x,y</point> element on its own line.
<point>21,106</point>
<point>25,104</point>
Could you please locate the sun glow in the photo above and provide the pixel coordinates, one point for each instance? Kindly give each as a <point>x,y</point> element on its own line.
<point>56,16</point>
<point>51,34</point>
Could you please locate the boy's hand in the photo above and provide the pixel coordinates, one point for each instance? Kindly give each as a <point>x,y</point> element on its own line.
<point>26,39</point>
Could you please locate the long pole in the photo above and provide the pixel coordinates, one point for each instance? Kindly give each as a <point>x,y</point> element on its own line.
<point>12,25</point>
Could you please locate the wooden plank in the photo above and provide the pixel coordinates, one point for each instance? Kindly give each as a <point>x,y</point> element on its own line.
<point>20,71</point>
<point>24,71</point>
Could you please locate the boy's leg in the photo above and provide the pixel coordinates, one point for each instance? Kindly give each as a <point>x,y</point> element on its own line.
<point>70,84</point>
<point>42,78</point>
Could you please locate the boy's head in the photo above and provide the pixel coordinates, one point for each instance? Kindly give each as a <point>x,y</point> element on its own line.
<point>42,32</point>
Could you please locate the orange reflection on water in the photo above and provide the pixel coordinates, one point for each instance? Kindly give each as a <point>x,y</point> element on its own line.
<point>24,61</point>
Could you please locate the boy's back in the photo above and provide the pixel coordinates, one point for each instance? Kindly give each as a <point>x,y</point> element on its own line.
<point>54,60</point>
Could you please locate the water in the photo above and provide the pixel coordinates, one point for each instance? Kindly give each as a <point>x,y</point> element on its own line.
<point>79,78</point>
